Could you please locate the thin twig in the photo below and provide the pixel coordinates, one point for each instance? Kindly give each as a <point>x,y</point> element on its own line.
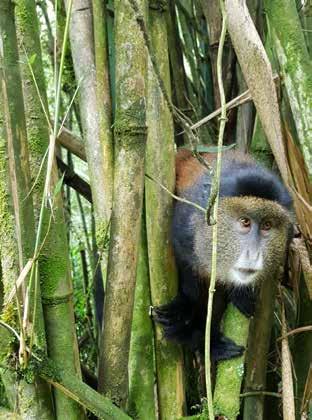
<point>69,107</point>
<point>44,109</point>
<point>215,193</point>
<point>233,103</point>
<point>269,394</point>
<point>183,200</point>
<point>295,331</point>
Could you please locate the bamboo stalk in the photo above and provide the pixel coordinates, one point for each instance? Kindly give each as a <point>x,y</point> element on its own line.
<point>89,53</point>
<point>130,139</point>
<point>230,373</point>
<point>258,75</point>
<point>160,156</point>
<point>17,228</point>
<point>54,257</point>
<point>142,399</point>
<point>287,379</point>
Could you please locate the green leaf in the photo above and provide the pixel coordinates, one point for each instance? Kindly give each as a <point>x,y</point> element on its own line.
<point>32,59</point>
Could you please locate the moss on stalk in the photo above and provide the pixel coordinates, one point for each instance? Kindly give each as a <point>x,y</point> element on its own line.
<point>295,63</point>
<point>18,229</point>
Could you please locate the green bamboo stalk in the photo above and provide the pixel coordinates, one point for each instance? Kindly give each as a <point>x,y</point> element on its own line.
<point>130,137</point>
<point>81,393</point>
<point>160,166</point>
<point>306,19</point>
<point>68,384</point>
<point>17,228</point>
<point>54,257</point>
<point>142,400</point>
<point>90,58</point>
<point>296,67</point>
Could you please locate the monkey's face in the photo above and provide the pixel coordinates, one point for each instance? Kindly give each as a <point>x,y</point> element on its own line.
<point>252,239</point>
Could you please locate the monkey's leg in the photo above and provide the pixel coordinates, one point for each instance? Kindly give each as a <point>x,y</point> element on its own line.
<point>244,298</point>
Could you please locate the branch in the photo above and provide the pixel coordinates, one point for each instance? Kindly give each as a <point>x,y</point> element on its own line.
<point>233,103</point>
<point>72,143</point>
<point>74,181</point>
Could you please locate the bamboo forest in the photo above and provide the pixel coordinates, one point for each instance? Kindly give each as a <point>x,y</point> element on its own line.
<point>156,209</point>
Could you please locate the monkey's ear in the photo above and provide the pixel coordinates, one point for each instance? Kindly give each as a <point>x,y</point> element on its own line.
<point>244,299</point>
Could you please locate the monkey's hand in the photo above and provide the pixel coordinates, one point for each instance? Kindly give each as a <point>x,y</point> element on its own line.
<point>179,323</point>
<point>244,298</point>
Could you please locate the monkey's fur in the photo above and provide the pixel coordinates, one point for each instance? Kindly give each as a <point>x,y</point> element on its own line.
<point>254,230</point>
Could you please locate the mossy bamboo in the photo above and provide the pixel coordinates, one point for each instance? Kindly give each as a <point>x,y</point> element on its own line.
<point>296,67</point>
<point>142,400</point>
<point>160,165</point>
<point>230,373</point>
<point>54,257</point>
<point>87,397</point>
<point>89,52</point>
<point>130,139</point>
<point>17,228</point>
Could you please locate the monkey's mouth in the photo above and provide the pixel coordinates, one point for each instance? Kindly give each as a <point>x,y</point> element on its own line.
<point>243,276</point>
<point>247,271</point>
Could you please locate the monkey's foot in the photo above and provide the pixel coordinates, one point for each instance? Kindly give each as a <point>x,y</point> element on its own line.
<point>223,348</point>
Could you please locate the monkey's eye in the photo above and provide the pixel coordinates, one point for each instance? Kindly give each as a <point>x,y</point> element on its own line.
<point>245,222</point>
<point>266,225</point>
